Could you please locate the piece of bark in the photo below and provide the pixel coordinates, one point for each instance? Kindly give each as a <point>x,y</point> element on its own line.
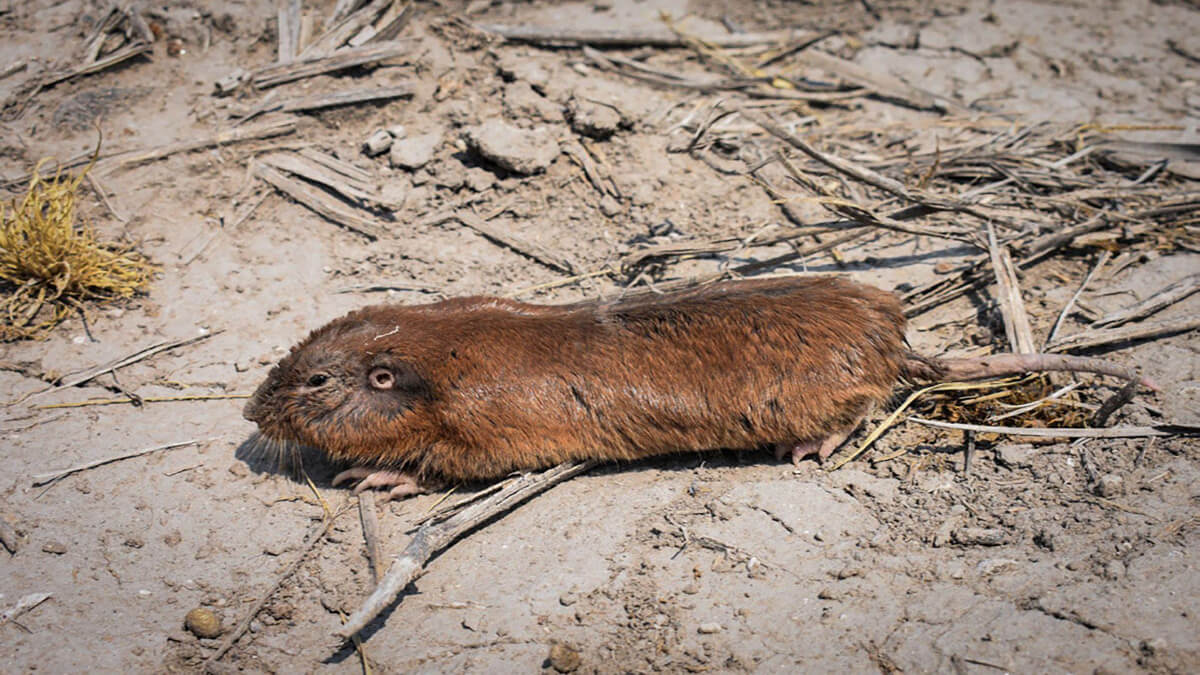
<point>321,202</point>
<point>342,59</point>
<point>339,98</point>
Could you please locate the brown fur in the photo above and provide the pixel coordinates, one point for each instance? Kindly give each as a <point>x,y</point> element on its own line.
<point>487,386</point>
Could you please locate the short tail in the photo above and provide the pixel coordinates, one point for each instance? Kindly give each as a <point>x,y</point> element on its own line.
<point>918,368</point>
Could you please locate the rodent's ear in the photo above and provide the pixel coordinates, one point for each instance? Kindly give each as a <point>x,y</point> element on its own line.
<point>386,372</point>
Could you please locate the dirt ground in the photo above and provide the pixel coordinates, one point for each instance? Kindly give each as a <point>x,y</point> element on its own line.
<point>902,565</point>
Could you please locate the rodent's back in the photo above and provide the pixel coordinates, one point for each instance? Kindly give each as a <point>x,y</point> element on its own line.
<point>508,385</point>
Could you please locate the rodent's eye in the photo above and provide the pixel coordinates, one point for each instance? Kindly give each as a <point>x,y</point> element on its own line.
<point>382,378</point>
<point>318,380</point>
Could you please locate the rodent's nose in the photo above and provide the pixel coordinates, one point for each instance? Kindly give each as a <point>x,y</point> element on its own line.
<point>250,411</point>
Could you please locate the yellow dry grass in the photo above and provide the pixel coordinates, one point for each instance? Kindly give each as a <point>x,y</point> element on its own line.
<point>51,265</point>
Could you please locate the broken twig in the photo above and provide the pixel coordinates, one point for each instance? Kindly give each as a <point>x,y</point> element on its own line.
<point>1061,432</point>
<point>26,603</point>
<point>431,539</point>
<point>80,377</point>
<point>1160,300</point>
<point>370,528</point>
<point>1091,339</point>
<point>45,478</point>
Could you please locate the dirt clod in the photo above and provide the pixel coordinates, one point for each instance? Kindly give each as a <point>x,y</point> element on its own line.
<point>517,150</point>
<point>564,659</point>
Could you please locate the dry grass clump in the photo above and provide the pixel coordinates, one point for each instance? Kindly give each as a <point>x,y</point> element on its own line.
<point>50,265</point>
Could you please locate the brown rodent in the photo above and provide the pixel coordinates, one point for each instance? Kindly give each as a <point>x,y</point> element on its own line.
<point>478,387</point>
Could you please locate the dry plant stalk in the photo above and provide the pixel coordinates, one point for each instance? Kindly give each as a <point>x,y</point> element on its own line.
<point>50,264</point>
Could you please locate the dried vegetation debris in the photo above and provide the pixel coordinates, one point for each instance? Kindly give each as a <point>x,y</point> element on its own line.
<point>52,264</point>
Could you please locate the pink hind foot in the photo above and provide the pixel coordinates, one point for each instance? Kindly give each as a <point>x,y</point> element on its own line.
<point>821,447</point>
<point>402,484</point>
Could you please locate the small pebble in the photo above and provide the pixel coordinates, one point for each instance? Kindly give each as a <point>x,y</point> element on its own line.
<point>203,623</point>
<point>567,599</point>
<point>513,149</point>
<point>377,143</point>
<point>55,547</point>
<point>709,628</point>
<point>994,565</point>
<point>1109,485</point>
<point>415,152</point>
<point>979,536</point>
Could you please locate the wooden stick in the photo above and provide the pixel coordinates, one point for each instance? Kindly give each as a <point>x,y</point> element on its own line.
<point>321,202</point>
<point>279,127</point>
<point>117,158</point>
<point>599,37</point>
<point>1107,336</point>
<point>79,377</point>
<point>932,295</point>
<point>288,13</point>
<point>141,400</point>
<point>44,478</point>
<point>1008,295</point>
<point>315,534</point>
<point>340,11</point>
<point>339,98</point>
<point>277,74</point>
<point>1042,432</point>
<point>859,173</point>
<point>26,603</point>
<point>433,538</point>
<point>1162,299</point>
<point>754,87</point>
<point>350,171</point>
<point>389,25</point>
<point>529,249</point>
<point>308,169</point>
<point>1071,303</point>
<point>123,54</point>
<point>885,86</point>
<point>370,527</point>
<point>337,34</point>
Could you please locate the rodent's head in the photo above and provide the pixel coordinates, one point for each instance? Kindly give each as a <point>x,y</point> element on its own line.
<point>342,390</point>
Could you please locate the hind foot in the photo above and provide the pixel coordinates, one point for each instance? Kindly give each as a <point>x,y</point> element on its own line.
<point>402,484</point>
<point>821,447</point>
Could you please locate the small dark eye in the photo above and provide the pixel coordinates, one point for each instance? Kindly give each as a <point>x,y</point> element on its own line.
<point>318,380</point>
